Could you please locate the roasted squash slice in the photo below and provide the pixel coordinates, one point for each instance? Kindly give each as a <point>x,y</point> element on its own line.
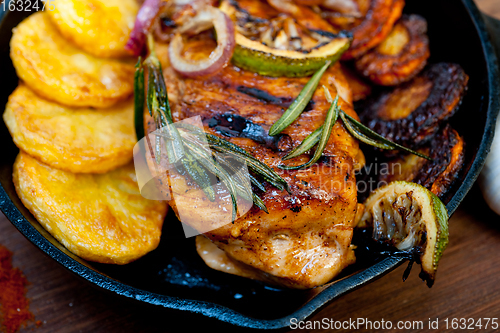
<point>401,56</point>
<point>447,151</point>
<point>412,113</point>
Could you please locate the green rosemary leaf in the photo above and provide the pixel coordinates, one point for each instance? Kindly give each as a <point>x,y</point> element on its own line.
<point>243,191</point>
<point>159,109</point>
<point>377,137</point>
<point>215,168</point>
<point>151,95</point>
<point>231,187</point>
<point>199,175</point>
<point>157,82</point>
<point>300,103</point>
<point>139,100</point>
<point>360,136</point>
<point>253,164</point>
<point>309,142</point>
<point>331,118</point>
<point>231,147</point>
<point>259,203</point>
<point>256,183</point>
<point>258,167</point>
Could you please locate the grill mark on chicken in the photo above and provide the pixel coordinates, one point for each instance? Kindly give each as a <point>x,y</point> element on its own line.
<point>270,99</point>
<point>264,96</point>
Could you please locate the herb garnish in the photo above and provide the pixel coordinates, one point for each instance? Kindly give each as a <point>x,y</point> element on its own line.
<point>321,135</point>
<point>183,142</point>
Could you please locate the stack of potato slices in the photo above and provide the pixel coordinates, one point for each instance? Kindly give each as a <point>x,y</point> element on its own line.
<point>72,118</point>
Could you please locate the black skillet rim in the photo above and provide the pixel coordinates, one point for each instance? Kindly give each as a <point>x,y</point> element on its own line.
<point>335,290</point>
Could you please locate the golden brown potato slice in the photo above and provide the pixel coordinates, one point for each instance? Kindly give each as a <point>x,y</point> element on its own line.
<point>401,56</point>
<point>447,151</point>
<point>56,70</point>
<point>72,139</point>
<point>100,218</point>
<point>412,113</point>
<point>100,27</point>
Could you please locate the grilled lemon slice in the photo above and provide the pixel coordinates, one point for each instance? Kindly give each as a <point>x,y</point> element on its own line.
<point>412,219</point>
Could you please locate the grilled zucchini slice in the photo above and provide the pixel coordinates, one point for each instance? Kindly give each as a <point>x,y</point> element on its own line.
<point>279,46</point>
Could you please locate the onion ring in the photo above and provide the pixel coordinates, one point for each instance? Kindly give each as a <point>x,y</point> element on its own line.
<point>205,18</point>
<point>143,22</point>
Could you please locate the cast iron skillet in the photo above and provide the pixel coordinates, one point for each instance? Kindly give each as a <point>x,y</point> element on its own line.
<point>174,277</point>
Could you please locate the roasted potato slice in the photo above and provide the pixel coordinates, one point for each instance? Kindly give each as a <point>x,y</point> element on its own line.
<point>100,218</point>
<point>412,113</point>
<point>56,70</point>
<point>401,56</point>
<point>360,88</point>
<point>100,27</point>
<point>447,151</point>
<point>370,21</point>
<point>72,139</point>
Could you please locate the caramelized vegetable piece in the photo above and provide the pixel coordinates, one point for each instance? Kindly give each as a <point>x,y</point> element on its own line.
<point>447,152</point>
<point>55,69</point>
<point>360,88</point>
<point>100,218</point>
<point>412,113</point>
<point>370,21</point>
<point>401,56</point>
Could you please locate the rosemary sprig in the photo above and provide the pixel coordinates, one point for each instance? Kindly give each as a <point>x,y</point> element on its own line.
<point>256,183</point>
<point>355,128</point>
<point>186,148</point>
<point>368,136</point>
<point>381,142</point>
<point>214,167</point>
<point>326,131</point>
<point>254,164</point>
<point>300,103</point>
<point>159,109</point>
<point>139,100</point>
<point>259,203</point>
<point>310,141</point>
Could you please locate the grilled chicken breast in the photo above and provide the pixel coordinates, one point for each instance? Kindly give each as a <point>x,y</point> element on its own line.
<point>305,240</point>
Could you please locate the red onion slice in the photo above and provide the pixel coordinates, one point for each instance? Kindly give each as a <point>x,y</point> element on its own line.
<point>219,58</point>
<point>143,22</point>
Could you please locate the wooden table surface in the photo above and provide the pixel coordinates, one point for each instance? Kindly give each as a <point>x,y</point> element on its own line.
<point>467,286</point>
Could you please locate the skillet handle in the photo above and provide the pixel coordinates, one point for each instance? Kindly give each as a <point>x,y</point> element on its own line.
<point>493,26</point>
